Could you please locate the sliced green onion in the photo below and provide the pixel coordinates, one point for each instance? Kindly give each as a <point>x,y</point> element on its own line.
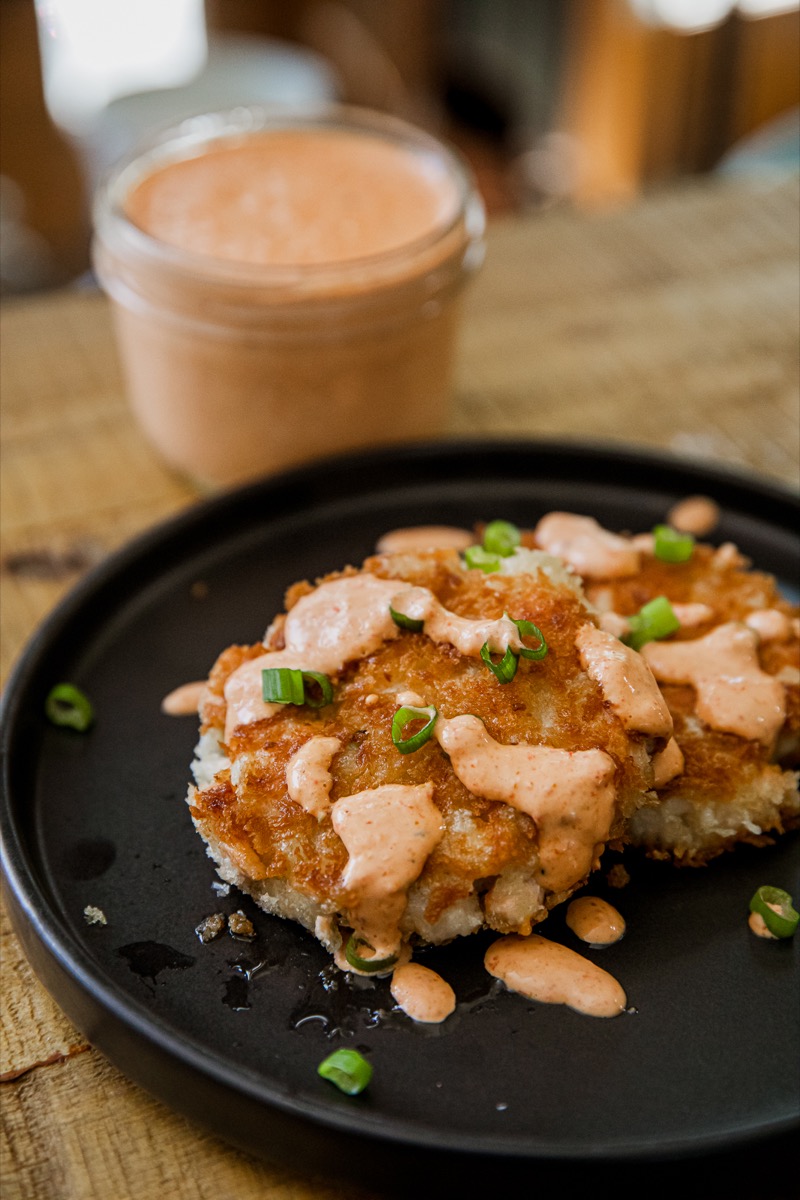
<point>282,685</point>
<point>67,705</point>
<point>366,964</point>
<point>506,669</point>
<point>406,716</point>
<point>324,684</point>
<point>781,923</point>
<point>653,621</point>
<point>501,537</point>
<point>672,546</point>
<point>287,685</point>
<point>405,622</point>
<point>477,557</point>
<point>528,629</point>
<point>347,1069</point>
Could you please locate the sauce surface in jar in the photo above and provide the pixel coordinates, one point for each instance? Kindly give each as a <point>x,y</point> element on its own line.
<point>296,196</point>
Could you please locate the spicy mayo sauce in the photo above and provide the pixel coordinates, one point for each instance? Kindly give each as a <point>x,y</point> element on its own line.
<point>269,274</point>
<point>554,974</point>
<point>595,921</point>
<point>422,994</point>
<point>308,196</point>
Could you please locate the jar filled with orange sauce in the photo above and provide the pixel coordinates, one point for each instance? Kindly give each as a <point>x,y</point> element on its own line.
<point>285,287</point>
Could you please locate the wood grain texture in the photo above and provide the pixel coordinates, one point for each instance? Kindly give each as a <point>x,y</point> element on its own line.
<point>671,324</point>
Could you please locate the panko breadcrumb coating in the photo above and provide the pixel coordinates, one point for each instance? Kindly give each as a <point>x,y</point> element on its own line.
<point>727,778</point>
<point>500,815</point>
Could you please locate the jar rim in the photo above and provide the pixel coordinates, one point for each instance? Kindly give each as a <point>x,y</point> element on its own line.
<point>192,135</point>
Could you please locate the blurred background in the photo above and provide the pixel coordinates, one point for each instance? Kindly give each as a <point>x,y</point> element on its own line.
<point>555,102</point>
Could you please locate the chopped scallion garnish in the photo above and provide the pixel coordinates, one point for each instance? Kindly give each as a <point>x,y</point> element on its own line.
<point>347,1069</point>
<point>288,685</point>
<point>506,669</point>
<point>68,706</point>
<point>405,622</point>
<point>478,558</point>
<point>775,908</point>
<point>671,546</point>
<point>325,690</point>
<point>501,537</point>
<point>653,621</point>
<point>409,715</point>
<point>528,629</point>
<point>366,964</point>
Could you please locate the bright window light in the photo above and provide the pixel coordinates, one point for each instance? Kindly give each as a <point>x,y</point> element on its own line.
<point>688,16</point>
<point>767,8</point>
<point>693,16</point>
<point>96,50</point>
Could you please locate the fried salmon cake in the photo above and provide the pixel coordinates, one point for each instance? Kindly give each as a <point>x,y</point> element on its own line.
<point>729,675</point>
<point>523,753</point>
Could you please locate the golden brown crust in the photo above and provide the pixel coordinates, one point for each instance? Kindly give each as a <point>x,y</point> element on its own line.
<point>730,790</point>
<point>552,702</point>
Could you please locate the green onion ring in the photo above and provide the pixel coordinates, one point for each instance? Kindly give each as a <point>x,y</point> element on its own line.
<point>654,620</point>
<point>528,629</point>
<point>783,923</point>
<point>347,1069</point>
<point>501,537</point>
<point>478,558</point>
<point>671,546</point>
<point>405,622</point>
<point>286,685</point>
<point>506,669</point>
<point>324,686</point>
<point>372,965</point>
<point>403,717</point>
<point>67,705</point>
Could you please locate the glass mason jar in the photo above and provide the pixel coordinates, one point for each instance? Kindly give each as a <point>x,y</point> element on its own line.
<point>263,321</point>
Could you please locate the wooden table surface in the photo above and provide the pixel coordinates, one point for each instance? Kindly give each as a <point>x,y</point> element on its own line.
<point>672,324</point>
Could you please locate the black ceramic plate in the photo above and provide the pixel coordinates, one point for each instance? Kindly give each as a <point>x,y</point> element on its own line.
<point>231,1033</point>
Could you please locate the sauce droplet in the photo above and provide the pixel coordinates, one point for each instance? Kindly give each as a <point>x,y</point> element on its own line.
<point>183,701</point>
<point>422,994</point>
<point>595,921</point>
<point>697,515</point>
<point>554,974</point>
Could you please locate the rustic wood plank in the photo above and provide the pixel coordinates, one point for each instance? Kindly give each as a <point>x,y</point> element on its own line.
<point>79,1129</point>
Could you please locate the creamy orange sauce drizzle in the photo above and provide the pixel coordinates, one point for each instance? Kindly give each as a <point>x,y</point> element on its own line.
<point>422,993</point>
<point>340,621</point>
<point>625,680</point>
<point>595,921</point>
<point>388,833</point>
<point>554,974</point>
<point>465,634</point>
<point>594,552</point>
<point>770,624</point>
<point>348,619</point>
<point>667,764</point>
<point>568,794</point>
<point>733,694</point>
<point>424,537</point>
<point>184,700</point>
<point>308,775</point>
<point>697,515</point>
